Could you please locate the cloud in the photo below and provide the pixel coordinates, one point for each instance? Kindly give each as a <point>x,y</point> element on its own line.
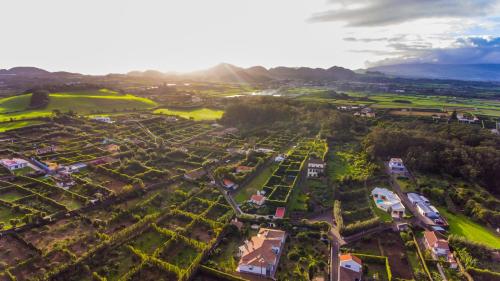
<point>465,50</point>
<point>367,13</point>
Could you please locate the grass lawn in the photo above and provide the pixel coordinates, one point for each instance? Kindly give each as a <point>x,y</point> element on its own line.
<point>197,114</point>
<point>463,226</point>
<point>243,193</point>
<point>226,260</point>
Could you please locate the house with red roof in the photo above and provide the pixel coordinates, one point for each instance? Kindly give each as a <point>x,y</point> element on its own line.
<point>229,184</point>
<point>243,169</point>
<point>258,199</point>
<point>260,255</point>
<point>14,163</point>
<point>350,268</point>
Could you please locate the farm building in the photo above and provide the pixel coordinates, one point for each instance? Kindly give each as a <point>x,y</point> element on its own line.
<point>261,254</point>
<point>350,268</point>
<point>280,213</point>
<point>14,163</point>
<point>242,169</point>
<point>315,168</point>
<point>388,201</point>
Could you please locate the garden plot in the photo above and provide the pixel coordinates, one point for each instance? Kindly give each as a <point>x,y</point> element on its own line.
<point>150,240</point>
<point>149,272</point>
<point>29,270</point>
<point>10,194</point>
<point>176,221</point>
<point>11,216</point>
<point>41,204</point>
<point>83,245</point>
<point>203,231</point>
<point>180,252</point>
<point>218,212</point>
<point>13,252</point>
<point>115,263</point>
<point>62,232</point>
<point>195,206</point>
<point>100,179</point>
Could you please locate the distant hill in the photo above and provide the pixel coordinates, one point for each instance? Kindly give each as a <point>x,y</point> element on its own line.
<point>229,73</point>
<point>469,72</point>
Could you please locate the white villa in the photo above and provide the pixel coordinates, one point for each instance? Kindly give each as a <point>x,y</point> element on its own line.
<point>14,163</point>
<point>261,254</point>
<point>396,165</point>
<point>388,201</point>
<point>350,268</point>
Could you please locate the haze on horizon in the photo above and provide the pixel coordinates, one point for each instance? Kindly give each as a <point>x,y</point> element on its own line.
<point>99,37</point>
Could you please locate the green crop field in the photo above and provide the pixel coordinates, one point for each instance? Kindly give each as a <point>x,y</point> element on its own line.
<point>197,114</point>
<point>463,226</point>
<point>85,102</point>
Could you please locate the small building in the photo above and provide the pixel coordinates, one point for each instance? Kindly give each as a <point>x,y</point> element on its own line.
<point>280,213</point>
<point>315,168</point>
<point>388,201</point>
<point>243,169</point>
<point>195,174</point>
<point>261,254</point>
<point>75,167</point>
<point>280,158</point>
<point>112,148</point>
<point>350,268</point>
<point>44,150</point>
<point>396,165</point>
<point>229,184</point>
<point>258,199</point>
<point>14,163</point>
<point>103,119</point>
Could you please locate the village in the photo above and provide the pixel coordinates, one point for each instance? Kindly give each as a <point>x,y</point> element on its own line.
<point>128,196</point>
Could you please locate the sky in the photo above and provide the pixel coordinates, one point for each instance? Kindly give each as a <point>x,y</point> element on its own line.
<point>118,36</point>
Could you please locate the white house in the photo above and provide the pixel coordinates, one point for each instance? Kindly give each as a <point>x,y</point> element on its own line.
<point>14,163</point>
<point>261,254</point>
<point>315,167</point>
<point>396,165</point>
<point>388,201</point>
<point>279,158</point>
<point>426,211</point>
<point>350,268</point>
<point>104,119</point>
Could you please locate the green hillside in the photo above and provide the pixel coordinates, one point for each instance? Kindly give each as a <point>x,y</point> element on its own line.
<point>85,102</point>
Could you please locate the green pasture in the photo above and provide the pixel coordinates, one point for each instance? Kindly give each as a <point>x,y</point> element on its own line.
<point>83,102</point>
<point>199,114</point>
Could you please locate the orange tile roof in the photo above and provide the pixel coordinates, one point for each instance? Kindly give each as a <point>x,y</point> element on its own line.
<point>348,257</point>
<point>259,250</point>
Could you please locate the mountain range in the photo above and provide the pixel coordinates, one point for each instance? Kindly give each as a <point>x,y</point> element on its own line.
<point>257,74</point>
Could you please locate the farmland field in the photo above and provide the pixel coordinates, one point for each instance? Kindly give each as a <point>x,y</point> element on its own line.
<point>197,114</point>
<point>80,102</point>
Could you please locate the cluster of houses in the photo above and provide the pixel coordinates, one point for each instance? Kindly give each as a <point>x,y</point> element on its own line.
<point>315,168</point>
<point>388,201</point>
<point>424,207</point>
<point>260,255</point>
